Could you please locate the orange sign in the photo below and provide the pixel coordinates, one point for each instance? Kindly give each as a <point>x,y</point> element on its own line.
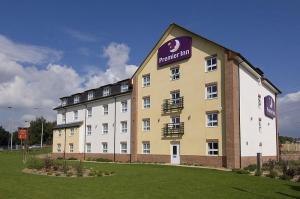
<point>22,133</point>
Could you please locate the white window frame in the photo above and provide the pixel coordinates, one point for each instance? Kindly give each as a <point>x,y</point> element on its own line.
<point>124,106</point>
<point>104,128</point>
<point>146,102</point>
<point>124,126</point>
<point>212,151</point>
<point>175,73</point>
<point>75,115</point>
<point>146,147</point>
<point>89,129</point>
<point>104,147</point>
<point>90,112</point>
<point>211,122</point>
<point>105,109</point>
<point>146,80</point>
<point>146,124</point>
<point>209,93</point>
<point>58,147</point>
<point>76,99</point>
<point>72,131</point>
<point>88,147</point>
<point>175,96</point>
<point>123,149</point>
<point>211,67</point>
<point>90,95</point>
<point>64,117</point>
<point>106,91</point>
<point>124,86</point>
<point>71,147</point>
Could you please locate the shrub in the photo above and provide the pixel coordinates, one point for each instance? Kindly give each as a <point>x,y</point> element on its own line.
<point>92,173</point>
<point>57,174</point>
<point>79,169</point>
<point>240,171</point>
<point>107,173</point>
<point>59,158</point>
<point>35,163</point>
<point>72,158</point>
<point>102,160</point>
<point>49,173</point>
<point>100,173</point>
<point>272,174</point>
<point>69,174</point>
<point>291,172</point>
<point>251,167</point>
<point>285,177</point>
<point>48,163</point>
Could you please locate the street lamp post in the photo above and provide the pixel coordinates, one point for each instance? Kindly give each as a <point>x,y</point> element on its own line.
<point>42,133</point>
<point>11,133</point>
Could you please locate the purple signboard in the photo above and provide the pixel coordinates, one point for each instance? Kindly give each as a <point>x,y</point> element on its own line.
<point>270,109</point>
<point>174,50</point>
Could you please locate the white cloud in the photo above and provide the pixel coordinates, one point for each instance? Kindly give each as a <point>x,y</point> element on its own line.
<point>27,53</point>
<point>26,87</point>
<point>289,114</point>
<point>117,67</point>
<point>80,36</point>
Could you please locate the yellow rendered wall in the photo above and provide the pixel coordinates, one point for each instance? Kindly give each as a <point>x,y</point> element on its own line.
<point>192,87</point>
<point>69,139</point>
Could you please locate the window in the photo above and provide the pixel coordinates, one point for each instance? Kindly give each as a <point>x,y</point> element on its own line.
<point>146,80</point>
<point>64,102</point>
<point>104,147</point>
<point>146,102</point>
<point>175,95</point>
<point>58,148</point>
<point>64,118</point>
<point>105,128</point>
<point>71,148</point>
<point>259,101</point>
<point>106,91</point>
<point>90,113</point>
<point>105,109</point>
<point>176,122</point>
<point>71,131</point>
<point>146,124</point>
<point>89,129</point>
<point>76,99</point>
<point>124,87</point>
<point>175,74</point>
<point>75,115</point>
<point>259,125</point>
<point>124,106</point>
<point>88,147</point>
<point>59,132</point>
<point>124,126</point>
<point>211,64</point>
<point>213,148</point>
<point>212,119</point>
<point>211,91</point>
<point>146,147</point>
<point>123,147</point>
<point>90,95</point>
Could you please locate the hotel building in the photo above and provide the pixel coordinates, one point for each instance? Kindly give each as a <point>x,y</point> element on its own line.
<point>192,101</point>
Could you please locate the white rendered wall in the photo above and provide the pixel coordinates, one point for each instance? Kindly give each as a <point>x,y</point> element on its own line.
<point>250,113</point>
<point>96,121</point>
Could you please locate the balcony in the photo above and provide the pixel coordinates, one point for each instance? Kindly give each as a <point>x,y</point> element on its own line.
<point>173,129</point>
<point>172,105</point>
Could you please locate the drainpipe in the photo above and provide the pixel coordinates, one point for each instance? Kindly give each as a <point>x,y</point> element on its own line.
<point>84,144</point>
<point>65,113</point>
<point>115,120</point>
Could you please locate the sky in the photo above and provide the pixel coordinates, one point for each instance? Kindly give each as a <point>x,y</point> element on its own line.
<point>50,49</point>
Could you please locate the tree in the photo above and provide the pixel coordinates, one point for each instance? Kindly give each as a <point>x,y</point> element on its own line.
<point>284,139</point>
<point>4,137</point>
<point>35,131</point>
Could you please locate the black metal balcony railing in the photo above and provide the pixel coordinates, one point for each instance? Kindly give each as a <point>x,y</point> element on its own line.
<point>172,104</point>
<point>171,129</point>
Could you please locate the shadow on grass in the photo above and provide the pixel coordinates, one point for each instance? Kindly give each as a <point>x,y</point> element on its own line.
<point>252,193</point>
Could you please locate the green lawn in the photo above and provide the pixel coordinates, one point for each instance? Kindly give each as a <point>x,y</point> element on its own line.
<point>139,181</point>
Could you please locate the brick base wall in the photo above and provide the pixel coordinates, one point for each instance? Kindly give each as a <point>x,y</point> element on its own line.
<point>245,161</point>
<point>292,156</point>
<point>214,161</point>
<point>108,156</point>
<point>149,158</point>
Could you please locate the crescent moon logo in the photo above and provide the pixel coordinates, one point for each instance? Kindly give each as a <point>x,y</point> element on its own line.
<point>175,47</point>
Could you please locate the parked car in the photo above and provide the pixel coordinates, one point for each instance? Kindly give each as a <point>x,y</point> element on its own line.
<point>35,146</point>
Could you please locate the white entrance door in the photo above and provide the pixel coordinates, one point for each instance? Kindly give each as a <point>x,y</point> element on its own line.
<point>175,155</point>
